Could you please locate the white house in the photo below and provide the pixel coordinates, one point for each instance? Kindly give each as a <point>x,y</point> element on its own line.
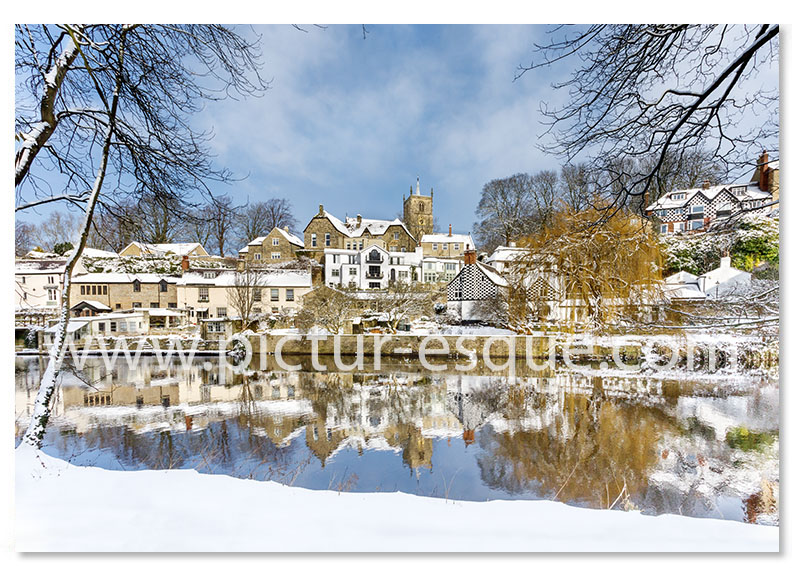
<point>38,283</point>
<point>721,282</point>
<point>372,268</point>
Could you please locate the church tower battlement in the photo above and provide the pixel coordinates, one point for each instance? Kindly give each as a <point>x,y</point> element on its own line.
<point>418,214</point>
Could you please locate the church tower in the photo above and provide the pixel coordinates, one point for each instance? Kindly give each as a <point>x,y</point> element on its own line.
<point>418,212</point>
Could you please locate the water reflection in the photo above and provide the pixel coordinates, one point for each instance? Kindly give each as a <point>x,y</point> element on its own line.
<point>627,443</point>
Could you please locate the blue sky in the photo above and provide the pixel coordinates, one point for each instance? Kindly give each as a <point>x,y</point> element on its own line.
<point>351,123</point>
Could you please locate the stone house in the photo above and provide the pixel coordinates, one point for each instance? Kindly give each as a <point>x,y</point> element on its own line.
<point>418,212</point>
<point>38,283</point>
<point>280,245</point>
<point>122,291</point>
<point>326,231</point>
<point>446,245</point>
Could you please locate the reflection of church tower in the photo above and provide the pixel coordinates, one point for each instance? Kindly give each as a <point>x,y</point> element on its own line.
<point>418,212</point>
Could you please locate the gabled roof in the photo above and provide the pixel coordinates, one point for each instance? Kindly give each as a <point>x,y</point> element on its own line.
<point>492,274</point>
<point>177,249</point>
<point>291,238</point>
<point>464,239</point>
<point>666,202</point>
<point>351,229</point>
<point>92,304</point>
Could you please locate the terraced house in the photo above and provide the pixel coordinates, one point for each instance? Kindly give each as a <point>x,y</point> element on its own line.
<point>119,291</point>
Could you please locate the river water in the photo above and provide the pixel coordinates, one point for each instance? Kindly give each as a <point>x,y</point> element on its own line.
<point>699,447</point>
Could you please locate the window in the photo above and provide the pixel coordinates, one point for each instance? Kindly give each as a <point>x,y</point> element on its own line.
<point>136,304</point>
<point>362,243</point>
<point>663,213</point>
<point>101,326</point>
<point>257,256</point>
<point>171,304</point>
<point>113,327</point>
<point>434,245</point>
<point>203,294</point>
<point>677,196</point>
<point>353,271</point>
<point>52,294</point>
<point>349,246</point>
<point>104,290</point>
<point>450,266</point>
<point>327,238</point>
<point>93,290</point>
<point>456,246</point>
<point>289,294</point>
<point>403,274</point>
<point>276,241</point>
<point>354,246</point>
<point>122,326</point>
<point>696,225</point>
<point>274,309</point>
<point>118,306</point>
<point>50,280</point>
<point>256,294</point>
<point>135,286</point>
<point>153,304</point>
<point>163,286</point>
<point>395,235</point>
<point>313,240</point>
<point>697,209</point>
<point>274,295</point>
<point>445,246</point>
<point>276,256</point>
<point>82,288</point>
<point>335,272</point>
<point>23,279</point>
<point>374,285</point>
<point>221,312</point>
<point>663,228</point>
<point>335,258</point>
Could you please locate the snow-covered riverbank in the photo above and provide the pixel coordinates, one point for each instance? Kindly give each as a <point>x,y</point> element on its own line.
<point>60,507</point>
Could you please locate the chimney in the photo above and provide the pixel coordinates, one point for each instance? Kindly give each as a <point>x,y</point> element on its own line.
<point>321,210</point>
<point>185,263</point>
<point>470,255</point>
<point>286,228</point>
<point>449,229</point>
<point>359,220</point>
<point>764,172</point>
<point>725,261</point>
<point>512,244</point>
<point>705,185</point>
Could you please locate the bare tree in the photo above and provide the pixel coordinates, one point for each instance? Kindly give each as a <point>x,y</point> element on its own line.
<point>24,238</point>
<point>245,294</point>
<point>402,302</point>
<point>112,102</point>
<point>643,92</point>
<point>57,228</point>
<point>223,219</point>
<point>330,308</point>
<point>259,218</point>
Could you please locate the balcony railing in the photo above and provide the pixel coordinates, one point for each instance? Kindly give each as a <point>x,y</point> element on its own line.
<point>374,275</point>
<point>375,259</point>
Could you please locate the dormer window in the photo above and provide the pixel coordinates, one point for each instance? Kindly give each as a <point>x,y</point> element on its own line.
<point>136,285</point>
<point>740,190</point>
<point>163,286</point>
<point>677,196</point>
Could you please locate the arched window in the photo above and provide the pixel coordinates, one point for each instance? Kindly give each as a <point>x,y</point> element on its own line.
<point>420,207</point>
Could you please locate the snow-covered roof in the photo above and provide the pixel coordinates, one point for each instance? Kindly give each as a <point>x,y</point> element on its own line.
<point>41,254</point>
<point>178,249</point>
<point>28,267</point>
<point>682,278</point>
<point>72,326</point>
<point>685,292</point>
<point>93,304</point>
<point>670,200</point>
<point>465,239</point>
<point>492,274</point>
<point>269,278</point>
<point>94,253</point>
<point>121,278</point>
<point>291,237</point>
<point>354,229</point>
<point>505,254</point>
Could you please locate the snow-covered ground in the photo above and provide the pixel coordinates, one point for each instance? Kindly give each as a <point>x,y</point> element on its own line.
<point>60,507</point>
